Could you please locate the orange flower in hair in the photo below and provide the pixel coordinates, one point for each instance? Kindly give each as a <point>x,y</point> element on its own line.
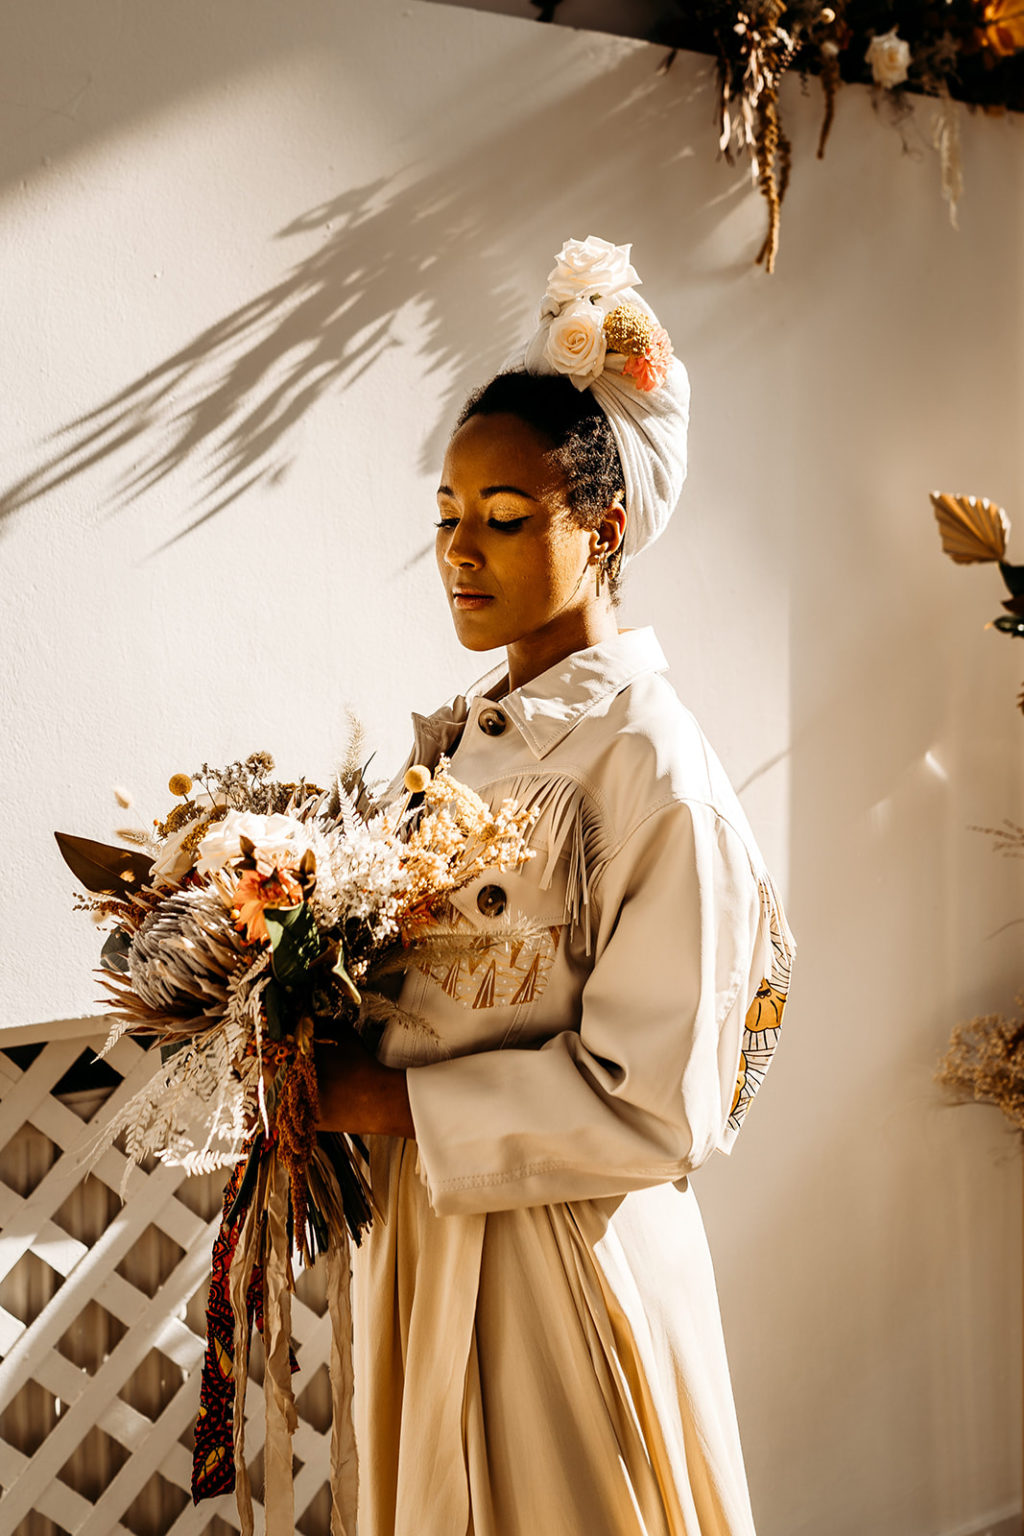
<point>649,371</point>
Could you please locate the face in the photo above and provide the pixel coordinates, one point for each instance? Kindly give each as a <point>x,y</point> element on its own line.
<point>514,564</point>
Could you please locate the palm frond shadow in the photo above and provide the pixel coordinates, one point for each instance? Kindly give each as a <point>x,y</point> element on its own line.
<point>446,240</point>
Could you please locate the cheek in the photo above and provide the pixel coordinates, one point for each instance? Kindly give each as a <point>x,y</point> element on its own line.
<point>533,572</point>
<point>566,557</point>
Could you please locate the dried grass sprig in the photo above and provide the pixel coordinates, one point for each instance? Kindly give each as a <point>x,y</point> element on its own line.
<point>1011,842</point>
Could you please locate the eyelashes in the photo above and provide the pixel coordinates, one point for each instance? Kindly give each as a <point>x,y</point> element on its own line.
<point>503,525</point>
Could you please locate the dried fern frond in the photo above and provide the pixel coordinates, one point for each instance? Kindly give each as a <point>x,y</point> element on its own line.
<point>375,1008</point>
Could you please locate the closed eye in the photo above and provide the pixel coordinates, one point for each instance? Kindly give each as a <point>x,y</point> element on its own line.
<point>505,524</point>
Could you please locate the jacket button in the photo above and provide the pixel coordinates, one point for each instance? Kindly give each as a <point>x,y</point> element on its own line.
<point>492,722</point>
<point>491,900</point>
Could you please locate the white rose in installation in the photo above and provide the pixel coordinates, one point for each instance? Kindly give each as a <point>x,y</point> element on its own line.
<point>276,838</point>
<point>889,57</point>
<point>576,342</point>
<point>588,267</point>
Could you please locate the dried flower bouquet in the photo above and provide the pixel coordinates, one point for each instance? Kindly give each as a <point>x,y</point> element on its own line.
<point>258,918</point>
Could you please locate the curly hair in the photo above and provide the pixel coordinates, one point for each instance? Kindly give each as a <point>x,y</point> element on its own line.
<point>582,443</point>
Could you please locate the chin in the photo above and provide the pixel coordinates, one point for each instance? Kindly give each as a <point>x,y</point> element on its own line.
<point>478,641</point>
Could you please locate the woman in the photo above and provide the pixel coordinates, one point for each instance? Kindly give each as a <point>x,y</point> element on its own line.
<point>538,1341</point>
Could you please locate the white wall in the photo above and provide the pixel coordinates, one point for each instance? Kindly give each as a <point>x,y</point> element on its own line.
<point>253,256</point>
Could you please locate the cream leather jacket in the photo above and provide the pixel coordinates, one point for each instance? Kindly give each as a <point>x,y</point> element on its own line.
<point>624,1045</point>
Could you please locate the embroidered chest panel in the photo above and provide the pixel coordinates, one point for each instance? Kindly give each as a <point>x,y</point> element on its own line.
<point>506,974</point>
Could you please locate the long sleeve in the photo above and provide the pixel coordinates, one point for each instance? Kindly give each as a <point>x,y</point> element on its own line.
<point>641,1092</point>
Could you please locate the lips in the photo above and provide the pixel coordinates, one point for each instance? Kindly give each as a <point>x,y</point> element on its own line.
<point>469,597</point>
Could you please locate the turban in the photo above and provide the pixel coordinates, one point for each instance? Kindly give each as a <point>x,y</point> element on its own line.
<point>595,328</point>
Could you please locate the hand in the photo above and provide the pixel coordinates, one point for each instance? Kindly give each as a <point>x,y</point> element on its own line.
<point>358,1093</point>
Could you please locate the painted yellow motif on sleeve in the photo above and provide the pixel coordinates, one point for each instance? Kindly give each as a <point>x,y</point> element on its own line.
<point>763,1022</point>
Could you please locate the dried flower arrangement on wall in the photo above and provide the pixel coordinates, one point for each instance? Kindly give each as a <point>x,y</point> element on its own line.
<point>959,51</point>
<point>984,1061</point>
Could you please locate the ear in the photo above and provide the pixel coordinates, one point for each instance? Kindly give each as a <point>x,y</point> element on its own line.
<point>606,538</point>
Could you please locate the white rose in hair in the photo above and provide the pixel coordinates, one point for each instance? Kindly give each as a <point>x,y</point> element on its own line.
<point>588,267</point>
<point>576,342</point>
<point>889,57</point>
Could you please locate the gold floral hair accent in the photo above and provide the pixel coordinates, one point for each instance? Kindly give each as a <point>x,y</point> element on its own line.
<point>628,330</point>
<point>590,309</point>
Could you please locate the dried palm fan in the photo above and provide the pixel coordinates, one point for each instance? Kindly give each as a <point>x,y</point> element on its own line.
<point>974,529</point>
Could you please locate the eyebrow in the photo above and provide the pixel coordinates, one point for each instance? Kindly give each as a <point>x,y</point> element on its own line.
<point>492,490</point>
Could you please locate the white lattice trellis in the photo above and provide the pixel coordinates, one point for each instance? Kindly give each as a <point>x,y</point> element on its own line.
<point>134,1277</point>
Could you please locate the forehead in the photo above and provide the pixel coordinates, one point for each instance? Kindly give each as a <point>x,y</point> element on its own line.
<point>501,450</point>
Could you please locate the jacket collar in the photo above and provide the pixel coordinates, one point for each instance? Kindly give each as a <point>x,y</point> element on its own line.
<point>545,709</point>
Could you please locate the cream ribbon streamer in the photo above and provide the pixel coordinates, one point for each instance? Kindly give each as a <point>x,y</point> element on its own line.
<point>282,1420</point>
<point>344,1459</point>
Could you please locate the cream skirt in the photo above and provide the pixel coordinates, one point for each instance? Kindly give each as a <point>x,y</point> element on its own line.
<point>557,1370</point>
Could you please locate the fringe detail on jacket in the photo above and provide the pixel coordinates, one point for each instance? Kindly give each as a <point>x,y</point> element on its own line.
<point>566,823</point>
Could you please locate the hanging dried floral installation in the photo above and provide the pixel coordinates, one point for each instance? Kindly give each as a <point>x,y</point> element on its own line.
<point>967,52</point>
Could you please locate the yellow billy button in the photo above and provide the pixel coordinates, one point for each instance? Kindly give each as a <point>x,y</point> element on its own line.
<point>417,778</point>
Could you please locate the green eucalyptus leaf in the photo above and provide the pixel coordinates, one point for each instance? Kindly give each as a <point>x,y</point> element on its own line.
<point>294,941</point>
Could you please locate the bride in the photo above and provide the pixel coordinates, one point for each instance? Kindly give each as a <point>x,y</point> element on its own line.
<point>538,1343</point>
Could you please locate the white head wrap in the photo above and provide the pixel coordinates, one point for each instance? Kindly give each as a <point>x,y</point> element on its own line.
<point>591,280</point>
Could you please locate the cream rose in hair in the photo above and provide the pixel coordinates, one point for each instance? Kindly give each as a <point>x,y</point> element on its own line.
<point>576,342</point>
<point>588,267</point>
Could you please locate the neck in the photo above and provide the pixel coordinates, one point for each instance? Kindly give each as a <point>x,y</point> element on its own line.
<point>535,653</point>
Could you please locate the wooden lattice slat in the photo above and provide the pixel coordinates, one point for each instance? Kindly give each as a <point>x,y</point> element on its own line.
<point>153,1317</point>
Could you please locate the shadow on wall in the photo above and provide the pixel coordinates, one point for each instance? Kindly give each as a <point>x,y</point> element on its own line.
<point>227,404</point>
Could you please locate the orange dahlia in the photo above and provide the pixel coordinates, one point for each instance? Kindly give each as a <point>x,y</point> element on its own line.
<point>255,892</point>
<point>650,371</point>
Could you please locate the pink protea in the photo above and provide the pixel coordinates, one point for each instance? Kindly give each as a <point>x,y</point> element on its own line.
<point>651,370</point>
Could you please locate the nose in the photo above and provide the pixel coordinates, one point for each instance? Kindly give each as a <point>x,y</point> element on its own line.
<point>462,549</point>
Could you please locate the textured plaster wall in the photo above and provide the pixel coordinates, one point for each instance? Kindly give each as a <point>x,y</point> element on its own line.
<point>253,256</point>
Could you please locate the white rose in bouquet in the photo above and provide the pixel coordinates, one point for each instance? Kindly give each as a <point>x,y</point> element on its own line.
<point>174,860</point>
<point>588,267</point>
<point>276,838</point>
<point>889,57</point>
